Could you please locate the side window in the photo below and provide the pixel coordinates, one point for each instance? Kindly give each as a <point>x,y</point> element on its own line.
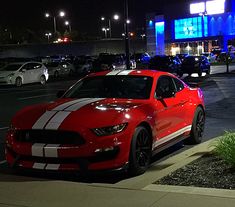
<point>165,87</point>
<point>178,84</point>
<point>36,65</point>
<point>27,66</point>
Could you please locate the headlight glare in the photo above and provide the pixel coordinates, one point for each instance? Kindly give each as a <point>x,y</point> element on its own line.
<point>105,131</point>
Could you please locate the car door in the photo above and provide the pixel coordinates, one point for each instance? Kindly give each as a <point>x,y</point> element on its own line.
<point>168,113</point>
<point>36,72</point>
<point>27,73</point>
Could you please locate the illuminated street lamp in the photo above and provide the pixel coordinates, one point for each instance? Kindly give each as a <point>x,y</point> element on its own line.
<point>61,14</point>
<point>48,35</point>
<point>67,23</point>
<point>115,17</point>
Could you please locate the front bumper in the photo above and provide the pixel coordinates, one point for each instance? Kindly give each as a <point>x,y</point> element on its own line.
<point>111,152</point>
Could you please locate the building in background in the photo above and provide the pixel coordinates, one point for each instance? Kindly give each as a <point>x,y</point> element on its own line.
<point>193,27</point>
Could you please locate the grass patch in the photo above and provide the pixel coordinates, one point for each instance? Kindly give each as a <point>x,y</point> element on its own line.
<point>225,148</point>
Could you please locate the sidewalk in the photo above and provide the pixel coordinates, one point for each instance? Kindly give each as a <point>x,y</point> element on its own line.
<point>137,192</point>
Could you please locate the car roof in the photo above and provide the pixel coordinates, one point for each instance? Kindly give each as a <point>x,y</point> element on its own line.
<point>151,73</point>
<point>21,63</point>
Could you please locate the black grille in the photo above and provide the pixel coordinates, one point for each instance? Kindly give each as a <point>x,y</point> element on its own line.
<point>49,137</point>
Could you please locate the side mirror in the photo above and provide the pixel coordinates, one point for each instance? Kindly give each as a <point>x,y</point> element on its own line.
<point>60,94</point>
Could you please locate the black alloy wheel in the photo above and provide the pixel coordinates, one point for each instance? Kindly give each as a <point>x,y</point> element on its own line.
<point>197,126</point>
<point>140,152</point>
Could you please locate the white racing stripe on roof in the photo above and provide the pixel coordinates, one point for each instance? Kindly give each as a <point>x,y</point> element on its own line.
<point>125,72</point>
<point>56,121</point>
<point>69,103</point>
<point>171,136</point>
<point>40,123</point>
<point>79,105</point>
<point>114,72</point>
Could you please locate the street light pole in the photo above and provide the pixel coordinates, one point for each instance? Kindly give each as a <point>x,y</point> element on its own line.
<point>110,30</point>
<point>54,23</point>
<point>127,42</point>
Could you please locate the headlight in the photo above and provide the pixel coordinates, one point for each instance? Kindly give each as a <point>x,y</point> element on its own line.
<point>10,76</point>
<point>105,131</point>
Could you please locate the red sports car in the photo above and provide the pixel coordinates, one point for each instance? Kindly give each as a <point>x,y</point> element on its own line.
<point>107,121</point>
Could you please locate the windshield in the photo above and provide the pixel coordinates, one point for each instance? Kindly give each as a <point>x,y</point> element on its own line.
<point>126,87</point>
<point>12,67</point>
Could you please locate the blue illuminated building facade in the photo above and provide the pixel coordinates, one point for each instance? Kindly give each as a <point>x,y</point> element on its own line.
<point>195,27</point>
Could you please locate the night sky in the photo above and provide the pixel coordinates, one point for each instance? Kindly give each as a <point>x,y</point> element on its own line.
<point>84,15</point>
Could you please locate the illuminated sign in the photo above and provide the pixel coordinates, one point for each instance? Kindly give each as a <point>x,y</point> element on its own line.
<point>208,7</point>
<point>191,28</point>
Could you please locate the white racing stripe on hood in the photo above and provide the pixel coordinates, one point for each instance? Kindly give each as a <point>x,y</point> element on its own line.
<point>60,116</point>
<point>67,104</point>
<point>56,121</point>
<point>114,72</point>
<point>40,123</point>
<point>125,72</point>
<point>79,105</point>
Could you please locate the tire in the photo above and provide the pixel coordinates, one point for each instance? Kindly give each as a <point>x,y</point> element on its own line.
<point>197,127</point>
<point>208,72</point>
<point>56,74</point>
<point>18,82</point>
<point>199,72</point>
<point>140,151</point>
<point>43,80</point>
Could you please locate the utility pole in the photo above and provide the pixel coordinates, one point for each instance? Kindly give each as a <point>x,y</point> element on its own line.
<point>127,42</point>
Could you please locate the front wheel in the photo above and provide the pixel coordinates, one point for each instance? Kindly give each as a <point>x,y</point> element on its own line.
<point>18,81</point>
<point>140,151</point>
<point>197,127</point>
<point>43,80</point>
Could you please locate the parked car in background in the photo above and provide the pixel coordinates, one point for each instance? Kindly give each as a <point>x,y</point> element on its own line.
<point>23,73</point>
<point>143,58</point>
<point>196,64</point>
<point>109,62</point>
<point>57,69</point>
<point>210,56</point>
<point>107,121</point>
<point>171,64</point>
<point>181,56</point>
<point>82,65</point>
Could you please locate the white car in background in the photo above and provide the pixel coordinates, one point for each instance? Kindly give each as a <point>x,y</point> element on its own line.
<point>23,73</point>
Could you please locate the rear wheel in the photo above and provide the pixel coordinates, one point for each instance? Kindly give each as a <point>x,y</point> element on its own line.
<point>140,151</point>
<point>208,71</point>
<point>199,72</point>
<point>43,80</point>
<point>197,127</point>
<point>18,81</point>
<point>56,74</point>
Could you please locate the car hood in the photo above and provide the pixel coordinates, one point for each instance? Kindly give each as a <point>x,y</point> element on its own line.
<point>70,114</point>
<point>5,73</point>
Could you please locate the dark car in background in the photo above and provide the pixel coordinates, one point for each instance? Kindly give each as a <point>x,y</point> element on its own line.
<point>196,64</point>
<point>109,62</point>
<point>143,58</point>
<point>171,64</point>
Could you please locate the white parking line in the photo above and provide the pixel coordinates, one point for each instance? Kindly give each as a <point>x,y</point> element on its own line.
<point>3,162</point>
<point>4,128</point>
<point>32,97</point>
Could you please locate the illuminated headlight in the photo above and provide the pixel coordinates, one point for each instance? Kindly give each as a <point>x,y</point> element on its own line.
<point>105,131</point>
